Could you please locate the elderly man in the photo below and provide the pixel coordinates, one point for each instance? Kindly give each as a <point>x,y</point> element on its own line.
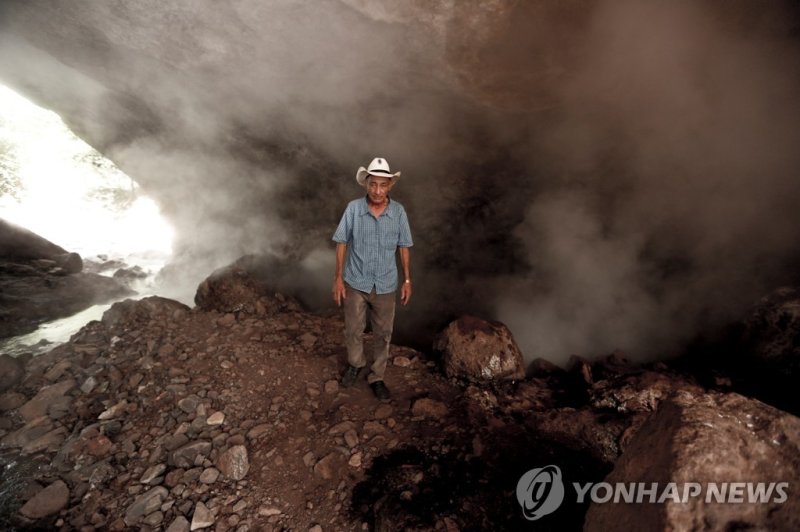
<point>373,228</point>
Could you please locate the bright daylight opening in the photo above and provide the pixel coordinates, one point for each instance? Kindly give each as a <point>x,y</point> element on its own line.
<point>56,185</point>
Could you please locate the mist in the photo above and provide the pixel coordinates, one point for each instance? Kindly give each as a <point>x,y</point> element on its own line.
<point>604,176</point>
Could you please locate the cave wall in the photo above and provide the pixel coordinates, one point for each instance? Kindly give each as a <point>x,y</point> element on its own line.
<point>599,175</point>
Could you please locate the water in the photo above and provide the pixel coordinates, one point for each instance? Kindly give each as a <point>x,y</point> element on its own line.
<point>56,185</point>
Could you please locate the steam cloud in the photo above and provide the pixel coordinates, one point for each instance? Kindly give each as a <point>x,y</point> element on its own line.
<point>616,176</point>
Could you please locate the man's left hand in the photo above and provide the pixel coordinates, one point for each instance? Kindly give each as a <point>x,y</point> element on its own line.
<point>405,293</point>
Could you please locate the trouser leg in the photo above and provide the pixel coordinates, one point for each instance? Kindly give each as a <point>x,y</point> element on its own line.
<point>382,321</point>
<point>355,320</point>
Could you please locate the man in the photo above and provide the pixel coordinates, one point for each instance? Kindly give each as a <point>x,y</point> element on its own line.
<point>373,228</point>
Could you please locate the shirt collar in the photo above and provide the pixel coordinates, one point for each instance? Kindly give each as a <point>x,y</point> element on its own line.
<point>390,209</point>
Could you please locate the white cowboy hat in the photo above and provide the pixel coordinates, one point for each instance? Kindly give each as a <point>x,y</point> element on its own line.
<point>378,167</point>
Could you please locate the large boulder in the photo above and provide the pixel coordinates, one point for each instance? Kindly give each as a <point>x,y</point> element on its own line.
<point>130,312</point>
<point>708,438</point>
<point>246,286</point>
<point>478,350</point>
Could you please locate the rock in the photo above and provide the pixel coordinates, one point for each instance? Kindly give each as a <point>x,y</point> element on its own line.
<point>247,286</point>
<point>48,395</point>
<point>131,312</point>
<point>145,504</point>
<point>114,411</point>
<point>355,460</point>
<point>383,411</point>
<point>331,386</point>
<point>69,262</point>
<point>637,392</point>
<point>202,517</point>
<point>152,473</point>
<point>234,462</point>
<point>48,501</point>
<point>325,467</point>
<point>479,351</point>
<point>180,524</point>
<point>341,428</point>
<point>11,400</point>
<point>217,418</point>
<point>268,511</point>
<point>401,361</point>
<point>708,438</point>
<point>429,408</point>
<point>29,432</point>
<point>209,475</point>
<point>189,404</point>
<point>187,455</point>
<point>11,372</point>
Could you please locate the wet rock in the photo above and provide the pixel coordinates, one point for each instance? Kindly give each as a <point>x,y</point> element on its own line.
<point>234,462</point>
<point>145,504</point>
<point>708,438</point>
<point>11,372</point>
<point>479,350</point>
<point>48,501</point>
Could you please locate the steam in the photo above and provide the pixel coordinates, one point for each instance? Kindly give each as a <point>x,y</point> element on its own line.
<point>614,176</point>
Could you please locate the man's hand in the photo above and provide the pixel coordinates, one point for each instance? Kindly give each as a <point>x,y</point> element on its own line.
<point>338,291</point>
<point>405,293</point>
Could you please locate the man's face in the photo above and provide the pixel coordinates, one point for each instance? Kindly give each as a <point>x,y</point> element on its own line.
<point>378,188</point>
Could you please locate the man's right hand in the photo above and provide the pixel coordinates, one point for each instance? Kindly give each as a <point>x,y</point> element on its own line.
<point>338,292</point>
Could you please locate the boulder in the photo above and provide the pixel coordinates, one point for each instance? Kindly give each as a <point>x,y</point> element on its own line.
<point>131,312</point>
<point>708,438</point>
<point>47,502</point>
<point>147,503</point>
<point>637,392</point>
<point>247,286</point>
<point>480,351</point>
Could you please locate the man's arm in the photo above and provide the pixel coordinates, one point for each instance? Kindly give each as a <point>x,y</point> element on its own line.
<point>338,279</point>
<point>405,263</point>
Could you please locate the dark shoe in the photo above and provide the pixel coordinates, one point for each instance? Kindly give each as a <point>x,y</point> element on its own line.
<point>350,376</point>
<point>380,390</point>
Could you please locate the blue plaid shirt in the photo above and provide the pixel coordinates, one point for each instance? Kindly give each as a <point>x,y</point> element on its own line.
<point>371,245</point>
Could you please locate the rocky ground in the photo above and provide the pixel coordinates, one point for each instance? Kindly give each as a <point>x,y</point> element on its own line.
<point>229,416</point>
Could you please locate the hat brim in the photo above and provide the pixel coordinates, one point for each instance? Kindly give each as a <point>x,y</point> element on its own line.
<point>361,175</point>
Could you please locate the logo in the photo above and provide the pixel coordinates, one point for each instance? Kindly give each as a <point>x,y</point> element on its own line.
<point>540,492</point>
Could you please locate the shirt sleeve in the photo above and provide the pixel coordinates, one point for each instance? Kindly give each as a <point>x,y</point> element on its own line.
<point>405,240</point>
<point>344,233</point>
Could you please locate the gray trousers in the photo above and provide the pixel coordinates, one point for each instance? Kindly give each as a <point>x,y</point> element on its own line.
<point>381,318</point>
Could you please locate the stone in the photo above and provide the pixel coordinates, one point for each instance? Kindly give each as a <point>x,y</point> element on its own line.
<point>29,432</point>
<point>234,462</point>
<point>355,460</point>
<point>55,372</point>
<point>341,428</point>
<point>383,411</point>
<point>40,403</point>
<point>351,438</point>
<point>189,404</point>
<point>401,361</point>
<point>88,385</point>
<point>146,503</point>
<point>209,475</point>
<point>202,517</point>
<point>217,418</point>
<point>11,372</point>
<point>268,511</point>
<point>180,524</point>
<point>331,386</point>
<point>186,455</point>
<point>154,519</point>
<point>325,467</point>
<point>478,350</point>
<point>142,311</point>
<point>259,430</point>
<point>114,411</point>
<point>637,392</point>
<point>429,408</point>
<point>48,501</point>
<point>152,473</point>
<point>708,438</point>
